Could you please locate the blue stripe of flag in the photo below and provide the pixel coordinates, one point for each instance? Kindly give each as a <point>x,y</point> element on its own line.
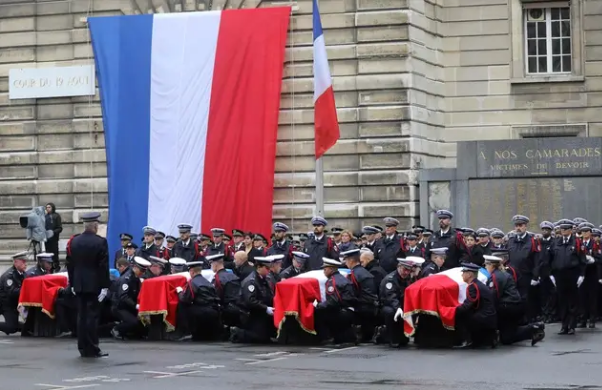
<point>316,20</point>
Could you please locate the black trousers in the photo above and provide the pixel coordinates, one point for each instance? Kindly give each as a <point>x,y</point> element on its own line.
<point>257,328</point>
<point>11,321</point>
<point>129,324</point>
<point>549,298</point>
<point>394,330</point>
<point>568,296</point>
<point>474,329</point>
<point>66,313</point>
<point>334,323</point>
<point>367,319</point>
<point>510,317</point>
<point>87,324</point>
<point>52,246</point>
<point>202,322</point>
<point>530,296</point>
<point>588,294</point>
<point>231,316</point>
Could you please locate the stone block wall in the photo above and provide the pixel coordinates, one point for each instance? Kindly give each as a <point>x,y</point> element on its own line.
<point>387,73</point>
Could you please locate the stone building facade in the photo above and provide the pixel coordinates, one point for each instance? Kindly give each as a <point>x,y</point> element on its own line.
<point>412,77</point>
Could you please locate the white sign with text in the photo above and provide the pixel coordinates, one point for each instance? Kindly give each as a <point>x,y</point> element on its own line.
<point>33,83</point>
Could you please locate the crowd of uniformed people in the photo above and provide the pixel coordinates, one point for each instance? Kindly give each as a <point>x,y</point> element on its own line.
<point>533,278</point>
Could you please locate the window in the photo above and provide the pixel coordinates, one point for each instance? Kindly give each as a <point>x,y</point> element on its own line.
<point>548,40</point>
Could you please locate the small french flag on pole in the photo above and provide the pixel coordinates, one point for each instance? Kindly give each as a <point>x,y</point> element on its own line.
<point>325,114</point>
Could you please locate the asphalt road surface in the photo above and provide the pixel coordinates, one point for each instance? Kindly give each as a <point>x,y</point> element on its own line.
<point>560,362</point>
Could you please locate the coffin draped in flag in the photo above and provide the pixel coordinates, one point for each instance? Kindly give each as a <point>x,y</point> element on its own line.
<point>437,295</point>
<point>190,105</point>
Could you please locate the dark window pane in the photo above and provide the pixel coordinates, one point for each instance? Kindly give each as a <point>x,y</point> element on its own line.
<point>566,28</point>
<point>531,30</point>
<point>556,64</point>
<point>566,63</point>
<point>555,29</point>
<point>555,13</point>
<point>566,46</point>
<point>541,29</point>
<point>556,46</point>
<point>531,47</point>
<point>565,13</point>
<point>541,47</point>
<point>543,64</point>
<point>532,64</point>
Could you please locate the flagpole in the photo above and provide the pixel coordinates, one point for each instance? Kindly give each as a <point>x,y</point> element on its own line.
<point>319,187</point>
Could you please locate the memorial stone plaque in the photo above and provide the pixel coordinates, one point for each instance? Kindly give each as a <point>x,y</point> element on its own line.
<point>561,157</point>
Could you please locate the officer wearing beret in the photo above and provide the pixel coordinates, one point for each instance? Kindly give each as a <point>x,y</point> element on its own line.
<point>390,246</point>
<point>447,237</point>
<point>319,245</point>
<point>281,245</point>
<point>125,238</point>
<point>10,288</point>
<point>88,268</point>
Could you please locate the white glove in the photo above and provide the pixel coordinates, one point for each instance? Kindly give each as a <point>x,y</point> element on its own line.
<point>141,280</point>
<point>580,281</point>
<point>398,314</point>
<point>553,280</point>
<point>316,301</point>
<point>534,282</point>
<point>590,259</point>
<point>103,294</point>
<point>137,307</point>
<point>72,291</point>
<point>600,281</point>
<point>179,289</point>
<point>270,311</point>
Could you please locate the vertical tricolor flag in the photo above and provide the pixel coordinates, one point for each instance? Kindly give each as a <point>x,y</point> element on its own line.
<point>190,106</point>
<point>325,115</point>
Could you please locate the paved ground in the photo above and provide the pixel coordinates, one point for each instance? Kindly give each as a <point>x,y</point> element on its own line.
<point>560,362</point>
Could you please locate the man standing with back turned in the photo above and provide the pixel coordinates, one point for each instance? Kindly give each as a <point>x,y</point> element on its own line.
<point>88,267</point>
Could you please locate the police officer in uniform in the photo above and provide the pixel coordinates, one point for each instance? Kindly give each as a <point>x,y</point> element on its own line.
<point>42,267</point>
<point>186,248</point>
<point>318,245</point>
<point>392,292</point>
<point>589,289</point>
<point>197,310</point>
<point>367,261</point>
<point>218,247</point>
<point>390,246</point>
<point>258,299</point>
<point>509,307</point>
<point>10,288</point>
<point>280,245</point>
<point>547,289</point>
<point>148,247</point>
<point>434,266</point>
<point>299,259</point>
<point>334,317</point>
<point>125,238</point>
<point>476,317</point>
<point>227,287</point>
<point>177,265</point>
<point>447,237</point>
<point>88,268</point>
<point>125,302</point>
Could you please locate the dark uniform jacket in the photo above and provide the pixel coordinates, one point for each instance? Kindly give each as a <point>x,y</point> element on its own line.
<point>227,287</point>
<point>339,293</point>
<point>146,252</point>
<point>36,270</point>
<point>290,272</point>
<point>285,248</point>
<point>188,252</point>
<point>392,290</point>
<point>485,249</point>
<point>257,293</point>
<point>524,256</point>
<point>88,263</point>
<point>243,271</point>
<point>317,249</point>
<point>591,248</point>
<point>10,288</point>
<point>479,304</point>
<point>216,249</point>
<point>567,256</point>
<point>504,288</point>
<point>474,255</point>
<point>377,272</point>
<point>415,251</point>
<point>256,252</point>
<point>364,288</point>
<point>118,255</point>
<point>199,292</point>
<point>450,240</point>
<point>126,294</point>
<point>387,251</point>
<point>429,269</point>
<point>545,245</point>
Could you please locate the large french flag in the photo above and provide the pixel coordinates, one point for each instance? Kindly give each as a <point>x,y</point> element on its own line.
<point>190,107</point>
<point>326,122</point>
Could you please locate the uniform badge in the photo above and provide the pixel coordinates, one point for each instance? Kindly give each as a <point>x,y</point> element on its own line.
<point>491,285</point>
<point>330,289</point>
<point>124,287</point>
<point>389,286</point>
<point>9,282</point>
<point>251,288</point>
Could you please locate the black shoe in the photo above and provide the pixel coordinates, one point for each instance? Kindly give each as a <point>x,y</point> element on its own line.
<point>537,337</point>
<point>571,332</point>
<point>564,331</point>
<point>116,335</point>
<point>464,345</point>
<point>234,334</point>
<point>101,354</point>
<point>592,325</point>
<point>495,340</point>
<point>582,324</point>
<point>377,334</point>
